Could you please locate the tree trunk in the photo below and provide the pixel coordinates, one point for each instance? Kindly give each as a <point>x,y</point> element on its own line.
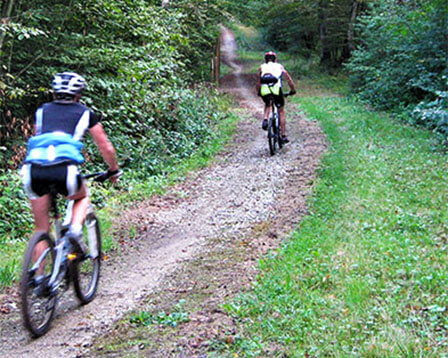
<point>7,13</point>
<point>349,44</point>
<point>325,52</point>
<point>351,26</point>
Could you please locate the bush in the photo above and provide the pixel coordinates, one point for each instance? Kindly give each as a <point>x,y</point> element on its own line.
<point>15,215</point>
<point>434,114</point>
<point>401,62</point>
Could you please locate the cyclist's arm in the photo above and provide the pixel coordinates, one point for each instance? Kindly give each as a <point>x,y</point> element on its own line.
<point>105,147</point>
<point>288,78</point>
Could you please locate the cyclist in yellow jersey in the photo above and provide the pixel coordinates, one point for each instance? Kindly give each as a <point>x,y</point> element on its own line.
<point>273,72</point>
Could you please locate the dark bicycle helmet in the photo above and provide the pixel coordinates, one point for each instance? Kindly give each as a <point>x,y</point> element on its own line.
<point>68,83</point>
<point>270,56</point>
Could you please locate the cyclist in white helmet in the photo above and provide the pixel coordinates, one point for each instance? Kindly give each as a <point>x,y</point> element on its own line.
<point>274,72</point>
<point>54,154</point>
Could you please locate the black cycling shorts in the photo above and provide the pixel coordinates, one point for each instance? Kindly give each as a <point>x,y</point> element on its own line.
<point>38,180</point>
<point>278,100</point>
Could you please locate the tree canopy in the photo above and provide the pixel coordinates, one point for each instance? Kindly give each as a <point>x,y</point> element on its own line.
<point>137,58</point>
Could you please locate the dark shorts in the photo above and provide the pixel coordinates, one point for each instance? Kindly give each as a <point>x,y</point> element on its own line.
<point>38,180</point>
<point>278,100</point>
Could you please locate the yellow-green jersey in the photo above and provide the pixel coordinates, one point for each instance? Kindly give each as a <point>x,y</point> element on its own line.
<point>275,71</point>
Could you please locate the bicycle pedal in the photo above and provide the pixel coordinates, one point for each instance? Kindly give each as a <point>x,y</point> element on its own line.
<point>72,256</point>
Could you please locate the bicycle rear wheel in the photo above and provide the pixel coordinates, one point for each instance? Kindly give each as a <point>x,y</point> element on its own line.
<point>38,303</point>
<point>271,136</point>
<point>86,270</point>
<point>273,130</point>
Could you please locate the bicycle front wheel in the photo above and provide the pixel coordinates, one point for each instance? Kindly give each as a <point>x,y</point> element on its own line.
<point>86,270</point>
<point>38,300</point>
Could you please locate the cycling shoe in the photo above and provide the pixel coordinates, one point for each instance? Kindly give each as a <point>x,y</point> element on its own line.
<point>77,242</point>
<point>264,125</point>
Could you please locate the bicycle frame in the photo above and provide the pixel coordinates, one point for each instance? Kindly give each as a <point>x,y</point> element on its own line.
<point>61,244</point>
<point>275,113</point>
<point>274,129</point>
<point>60,249</point>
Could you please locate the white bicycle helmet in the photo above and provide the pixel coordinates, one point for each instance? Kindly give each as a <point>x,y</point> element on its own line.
<point>68,82</point>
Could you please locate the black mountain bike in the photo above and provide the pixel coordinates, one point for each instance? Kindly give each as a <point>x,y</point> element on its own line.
<point>51,264</point>
<point>274,129</point>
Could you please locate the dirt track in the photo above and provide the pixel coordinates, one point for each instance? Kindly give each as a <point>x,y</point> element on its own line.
<point>243,188</point>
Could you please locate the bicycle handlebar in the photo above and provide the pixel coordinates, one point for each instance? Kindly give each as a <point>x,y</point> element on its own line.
<point>101,177</point>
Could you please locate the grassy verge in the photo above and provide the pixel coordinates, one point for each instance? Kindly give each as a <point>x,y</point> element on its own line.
<point>366,273</point>
<point>11,252</point>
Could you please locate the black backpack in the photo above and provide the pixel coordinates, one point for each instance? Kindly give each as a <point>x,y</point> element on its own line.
<point>268,79</point>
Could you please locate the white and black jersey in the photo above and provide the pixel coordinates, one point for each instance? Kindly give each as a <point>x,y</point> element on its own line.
<point>62,116</point>
<point>67,117</point>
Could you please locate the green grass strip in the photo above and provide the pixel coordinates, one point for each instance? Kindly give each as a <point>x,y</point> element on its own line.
<point>366,274</point>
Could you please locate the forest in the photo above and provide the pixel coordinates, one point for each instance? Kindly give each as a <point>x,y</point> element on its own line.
<point>148,67</point>
<point>139,56</point>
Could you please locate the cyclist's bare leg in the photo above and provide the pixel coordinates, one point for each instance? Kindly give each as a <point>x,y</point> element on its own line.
<point>40,208</point>
<point>281,112</point>
<point>80,207</point>
<point>267,111</point>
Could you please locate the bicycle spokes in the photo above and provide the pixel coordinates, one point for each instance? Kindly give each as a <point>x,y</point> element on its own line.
<point>86,270</point>
<point>38,298</point>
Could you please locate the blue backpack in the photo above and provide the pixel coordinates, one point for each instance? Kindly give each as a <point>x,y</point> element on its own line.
<point>54,148</point>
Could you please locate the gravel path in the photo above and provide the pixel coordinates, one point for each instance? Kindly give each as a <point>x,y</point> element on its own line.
<point>243,187</point>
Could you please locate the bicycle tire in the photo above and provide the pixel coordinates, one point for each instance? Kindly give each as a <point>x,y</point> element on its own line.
<point>86,270</point>
<point>32,286</point>
<point>271,136</point>
<point>277,130</point>
<point>279,133</point>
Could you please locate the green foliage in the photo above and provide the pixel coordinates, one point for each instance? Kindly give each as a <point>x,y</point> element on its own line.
<point>307,28</point>
<point>292,26</point>
<point>401,62</point>
<point>199,22</point>
<point>8,273</point>
<point>130,52</point>
<point>434,113</point>
<point>248,38</point>
<point>173,319</point>
<point>15,216</point>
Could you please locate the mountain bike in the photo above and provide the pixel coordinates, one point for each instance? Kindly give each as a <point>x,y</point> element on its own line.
<point>51,264</point>
<point>274,128</point>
